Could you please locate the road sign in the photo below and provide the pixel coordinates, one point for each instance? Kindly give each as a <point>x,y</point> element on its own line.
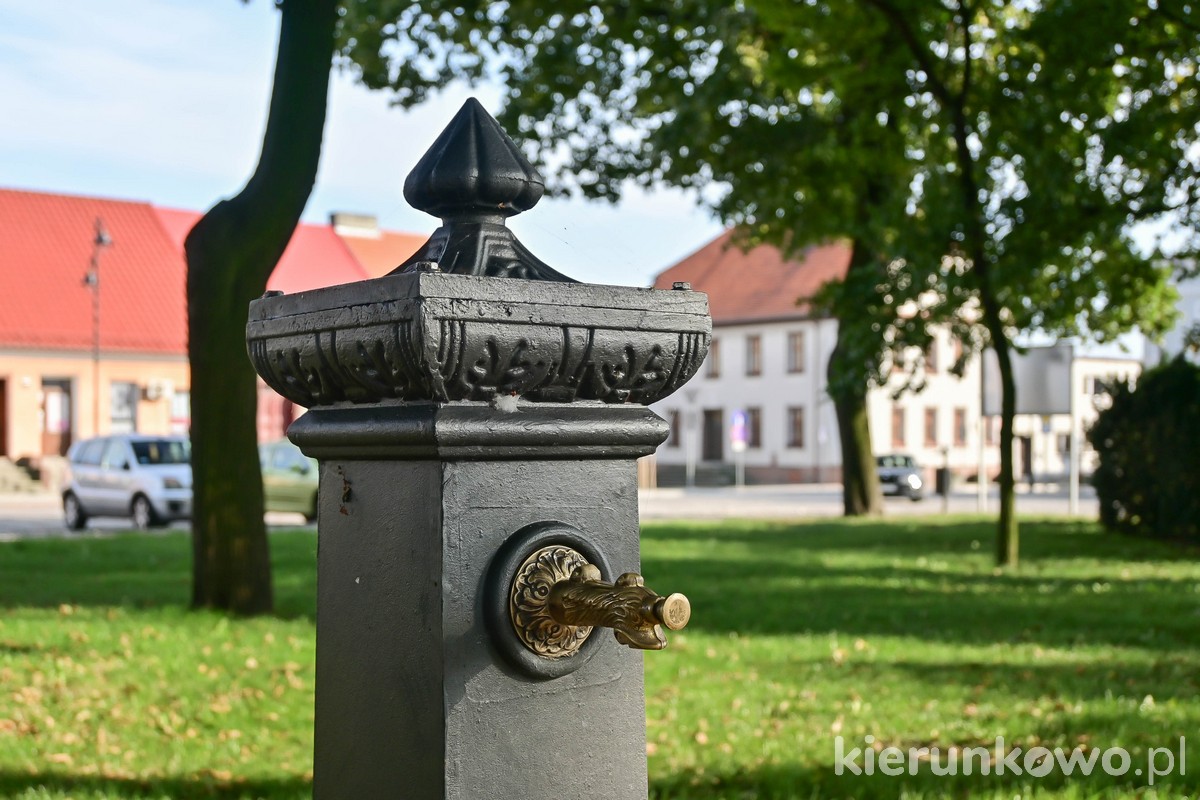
<point>737,432</point>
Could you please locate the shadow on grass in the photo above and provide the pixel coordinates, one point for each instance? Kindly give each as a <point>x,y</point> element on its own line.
<point>728,597</point>
<point>1069,682</point>
<point>931,579</point>
<point>140,571</point>
<point>796,783</point>
<point>174,788</point>
<point>1041,539</point>
<point>927,577</point>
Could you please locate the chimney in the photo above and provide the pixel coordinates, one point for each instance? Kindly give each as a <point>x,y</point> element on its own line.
<point>363,226</point>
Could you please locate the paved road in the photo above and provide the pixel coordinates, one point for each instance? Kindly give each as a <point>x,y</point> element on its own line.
<point>37,516</point>
<point>825,500</point>
<point>40,515</point>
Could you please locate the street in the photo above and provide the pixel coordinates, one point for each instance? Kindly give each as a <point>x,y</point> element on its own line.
<point>791,501</point>
<point>27,516</point>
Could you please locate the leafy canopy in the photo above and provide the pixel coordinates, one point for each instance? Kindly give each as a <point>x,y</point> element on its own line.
<point>806,121</point>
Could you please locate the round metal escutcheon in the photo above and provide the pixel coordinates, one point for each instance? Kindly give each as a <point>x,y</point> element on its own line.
<point>539,551</point>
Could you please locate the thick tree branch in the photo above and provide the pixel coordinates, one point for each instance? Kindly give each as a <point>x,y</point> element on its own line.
<point>899,22</point>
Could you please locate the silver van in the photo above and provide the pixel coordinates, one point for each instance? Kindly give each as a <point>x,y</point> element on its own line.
<point>145,478</point>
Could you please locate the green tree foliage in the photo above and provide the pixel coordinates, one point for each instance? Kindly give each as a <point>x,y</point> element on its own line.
<point>1050,129</point>
<point>1147,441</point>
<point>987,159</point>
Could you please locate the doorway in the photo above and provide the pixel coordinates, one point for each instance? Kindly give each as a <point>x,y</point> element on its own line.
<point>713,448</point>
<point>56,416</point>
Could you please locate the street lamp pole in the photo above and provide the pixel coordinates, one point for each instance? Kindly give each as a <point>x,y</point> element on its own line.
<point>92,281</point>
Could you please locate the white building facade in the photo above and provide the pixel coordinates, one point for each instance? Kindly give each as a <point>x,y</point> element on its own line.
<point>1175,341</point>
<point>759,407</point>
<point>774,374</point>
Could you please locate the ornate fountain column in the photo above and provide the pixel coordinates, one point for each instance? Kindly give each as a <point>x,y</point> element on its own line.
<point>477,417</point>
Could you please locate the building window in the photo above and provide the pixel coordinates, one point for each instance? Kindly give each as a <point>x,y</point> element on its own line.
<point>122,413</point>
<point>931,439</point>
<point>714,358</point>
<point>116,455</point>
<point>897,426</point>
<point>796,426</point>
<point>991,424</point>
<point>673,422</point>
<point>931,356</point>
<point>958,349</point>
<point>754,427</point>
<point>796,351</point>
<point>91,452</point>
<point>960,427</point>
<point>1094,385</point>
<point>754,354</point>
<point>181,411</point>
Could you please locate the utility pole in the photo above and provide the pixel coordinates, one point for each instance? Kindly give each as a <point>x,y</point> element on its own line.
<point>92,280</point>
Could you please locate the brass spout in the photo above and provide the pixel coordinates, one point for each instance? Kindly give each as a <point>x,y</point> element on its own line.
<point>628,607</point>
<point>557,598</point>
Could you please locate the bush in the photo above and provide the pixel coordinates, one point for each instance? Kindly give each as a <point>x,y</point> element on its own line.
<point>1148,478</point>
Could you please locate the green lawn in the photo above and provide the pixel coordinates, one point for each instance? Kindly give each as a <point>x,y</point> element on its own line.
<point>900,631</point>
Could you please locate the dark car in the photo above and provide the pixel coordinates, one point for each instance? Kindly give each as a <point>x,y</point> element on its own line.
<point>900,475</point>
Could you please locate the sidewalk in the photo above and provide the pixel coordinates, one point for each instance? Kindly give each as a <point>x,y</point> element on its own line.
<point>40,515</point>
<point>794,501</point>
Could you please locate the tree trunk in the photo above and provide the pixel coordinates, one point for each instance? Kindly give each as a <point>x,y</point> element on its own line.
<point>1008,540</point>
<point>1007,536</point>
<point>849,379</point>
<point>231,253</point>
<point>860,479</point>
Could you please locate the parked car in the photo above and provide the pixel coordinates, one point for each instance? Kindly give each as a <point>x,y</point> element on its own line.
<point>145,478</point>
<point>900,475</point>
<point>289,479</point>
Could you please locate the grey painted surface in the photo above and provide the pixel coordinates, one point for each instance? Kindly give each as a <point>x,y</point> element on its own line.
<point>461,431</point>
<point>508,735</point>
<point>420,337</point>
<point>379,721</point>
<point>413,699</point>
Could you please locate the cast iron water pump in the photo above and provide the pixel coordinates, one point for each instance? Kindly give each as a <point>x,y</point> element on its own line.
<point>477,416</point>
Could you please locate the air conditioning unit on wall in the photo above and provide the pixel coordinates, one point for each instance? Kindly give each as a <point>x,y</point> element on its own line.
<point>157,390</point>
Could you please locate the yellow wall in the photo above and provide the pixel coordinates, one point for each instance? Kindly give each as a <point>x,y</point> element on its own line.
<point>24,371</point>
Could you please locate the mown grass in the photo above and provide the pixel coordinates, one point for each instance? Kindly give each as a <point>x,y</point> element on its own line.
<point>901,631</point>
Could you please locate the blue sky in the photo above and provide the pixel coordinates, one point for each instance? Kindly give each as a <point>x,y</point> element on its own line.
<point>165,100</point>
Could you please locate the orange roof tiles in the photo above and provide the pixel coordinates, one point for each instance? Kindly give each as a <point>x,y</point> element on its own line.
<point>758,284</point>
<point>315,257</point>
<point>45,253</point>
<point>382,253</point>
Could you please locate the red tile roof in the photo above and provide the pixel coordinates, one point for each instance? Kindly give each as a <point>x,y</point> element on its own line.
<point>315,257</point>
<point>758,284</point>
<point>46,250</point>
<point>45,253</point>
<point>381,254</point>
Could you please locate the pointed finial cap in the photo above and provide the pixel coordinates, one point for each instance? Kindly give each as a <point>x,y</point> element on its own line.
<point>473,168</point>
